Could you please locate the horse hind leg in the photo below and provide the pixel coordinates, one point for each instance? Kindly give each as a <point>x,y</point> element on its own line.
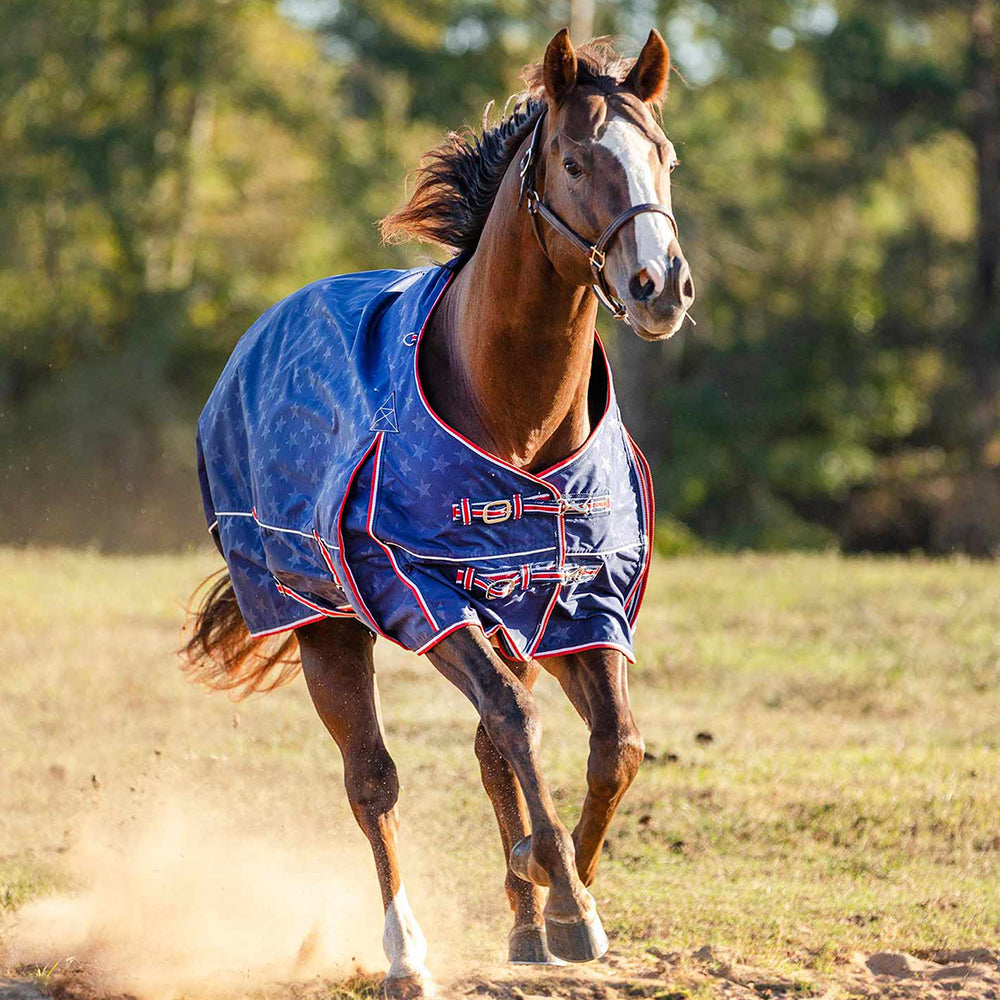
<point>339,670</point>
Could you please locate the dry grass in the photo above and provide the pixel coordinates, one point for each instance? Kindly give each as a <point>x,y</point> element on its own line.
<point>841,798</point>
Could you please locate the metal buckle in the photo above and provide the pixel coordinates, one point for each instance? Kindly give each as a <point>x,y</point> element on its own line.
<point>496,511</point>
<point>596,259</point>
<point>579,574</point>
<point>500,588</point>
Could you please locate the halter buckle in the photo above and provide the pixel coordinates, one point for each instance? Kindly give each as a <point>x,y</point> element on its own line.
<point>596,259</point>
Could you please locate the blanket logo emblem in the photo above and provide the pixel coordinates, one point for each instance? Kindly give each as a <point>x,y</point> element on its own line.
<point>385,416</point>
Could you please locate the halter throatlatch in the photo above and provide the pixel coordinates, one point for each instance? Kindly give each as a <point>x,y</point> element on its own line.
<point>594,252</point>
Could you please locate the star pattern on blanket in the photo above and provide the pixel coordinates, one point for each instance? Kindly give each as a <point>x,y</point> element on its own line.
<point>320,401</point>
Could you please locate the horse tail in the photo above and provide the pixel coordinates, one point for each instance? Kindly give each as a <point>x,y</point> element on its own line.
<point>222,654</point>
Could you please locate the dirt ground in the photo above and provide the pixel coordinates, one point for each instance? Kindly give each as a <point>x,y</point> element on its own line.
<point>955,975</point>
<point>816,816</point>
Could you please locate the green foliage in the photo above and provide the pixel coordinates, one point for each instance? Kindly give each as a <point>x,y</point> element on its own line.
<point>172,168</point>
<point>674,538</point>
<point>22,880</point>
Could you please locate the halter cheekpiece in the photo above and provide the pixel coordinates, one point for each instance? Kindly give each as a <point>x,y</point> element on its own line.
<point>594,252</point>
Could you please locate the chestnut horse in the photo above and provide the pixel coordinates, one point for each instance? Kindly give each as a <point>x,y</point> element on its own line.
<point>568,196</point>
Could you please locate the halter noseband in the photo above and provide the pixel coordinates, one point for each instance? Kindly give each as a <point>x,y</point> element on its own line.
<point>594,252</point>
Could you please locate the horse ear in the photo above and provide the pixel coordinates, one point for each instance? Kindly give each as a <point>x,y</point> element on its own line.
<point>648,77</point>
<point>559,68</point>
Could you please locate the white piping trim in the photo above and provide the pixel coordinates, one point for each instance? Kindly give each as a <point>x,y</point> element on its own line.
<point>444,633</point>
<point>295,595</point>
<point>581,553</point>
<point>287,628</point>
<point>470,559</point>
<point>270,527</point>
<point>628,654</point>
<point>287,531</point>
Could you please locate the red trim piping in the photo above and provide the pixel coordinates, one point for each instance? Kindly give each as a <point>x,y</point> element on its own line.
<point>326,558</point>
<point>348,576</point>
<point>385,548</point>
<point>628,654</point>
<point>557,590</point>
<point>295,596</point>
<point>515,655</point>
<point>513,650</point>
<point>648,513</point>
<point>600,423</point>
<point>287,628</point>
<point>434,640</point>
<point>451,430</point>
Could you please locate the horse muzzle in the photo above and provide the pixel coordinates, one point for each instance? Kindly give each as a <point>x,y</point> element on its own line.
<point>659,294</point>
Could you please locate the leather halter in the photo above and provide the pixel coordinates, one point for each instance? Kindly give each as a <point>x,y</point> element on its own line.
<point>594,252</point>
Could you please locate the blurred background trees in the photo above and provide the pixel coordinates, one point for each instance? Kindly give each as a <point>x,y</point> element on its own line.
<point>169,168</point>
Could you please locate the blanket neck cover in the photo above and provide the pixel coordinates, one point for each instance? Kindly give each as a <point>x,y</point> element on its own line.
<point>333,490</point>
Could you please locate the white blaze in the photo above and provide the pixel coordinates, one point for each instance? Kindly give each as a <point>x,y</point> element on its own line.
<point>652,230</point>
<point>403,942</point>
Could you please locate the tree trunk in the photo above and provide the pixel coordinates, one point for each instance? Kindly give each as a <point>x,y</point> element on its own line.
<point>581,20</point>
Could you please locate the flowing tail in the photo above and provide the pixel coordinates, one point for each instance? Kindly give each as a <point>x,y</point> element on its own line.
<point>222,654</point>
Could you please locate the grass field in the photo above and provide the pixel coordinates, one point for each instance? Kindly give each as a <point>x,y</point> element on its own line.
<point>821,784</point>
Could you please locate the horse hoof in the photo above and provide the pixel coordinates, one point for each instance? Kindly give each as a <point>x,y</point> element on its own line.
<point>578,940</point>
<point>526,946</point>
<point>522,865</point>
<point>407,987</point>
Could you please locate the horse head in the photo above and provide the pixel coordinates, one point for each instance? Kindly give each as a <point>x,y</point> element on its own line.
<point>601,177</point>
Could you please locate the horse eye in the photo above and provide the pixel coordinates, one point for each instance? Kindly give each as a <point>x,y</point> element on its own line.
<point>572,168</point>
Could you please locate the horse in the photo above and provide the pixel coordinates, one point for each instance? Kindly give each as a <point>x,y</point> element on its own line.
<point>490,365</point>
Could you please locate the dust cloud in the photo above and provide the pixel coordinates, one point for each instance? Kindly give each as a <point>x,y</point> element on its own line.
<point>184,900</point>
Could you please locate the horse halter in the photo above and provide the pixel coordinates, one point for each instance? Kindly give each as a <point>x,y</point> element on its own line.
<point>594,252</point>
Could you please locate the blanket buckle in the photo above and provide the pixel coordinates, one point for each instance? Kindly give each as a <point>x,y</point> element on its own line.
<point>496,511</point>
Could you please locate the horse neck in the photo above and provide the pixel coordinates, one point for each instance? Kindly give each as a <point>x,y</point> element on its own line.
<point>514,345</point>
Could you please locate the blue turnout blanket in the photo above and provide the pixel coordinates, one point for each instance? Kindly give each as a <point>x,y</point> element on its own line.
<point>333,489</point>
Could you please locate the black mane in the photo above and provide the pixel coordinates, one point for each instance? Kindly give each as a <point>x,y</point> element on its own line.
<point>457,181</point>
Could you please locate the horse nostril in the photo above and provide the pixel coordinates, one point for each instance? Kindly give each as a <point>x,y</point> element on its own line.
<point>641,286</point>
<point>681,284</point>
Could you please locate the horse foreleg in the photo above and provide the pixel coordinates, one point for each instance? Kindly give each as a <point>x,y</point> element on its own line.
<point>526,943</point>
<point>339,671</point>
<point>596,682</point>
<point>511,721</point>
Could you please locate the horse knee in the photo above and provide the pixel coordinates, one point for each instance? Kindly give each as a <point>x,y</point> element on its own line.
<point>372,784</point>
<point>511,721</point>
<point>614,761</point>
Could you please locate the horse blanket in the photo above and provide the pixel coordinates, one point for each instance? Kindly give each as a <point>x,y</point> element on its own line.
<point>333,489</point>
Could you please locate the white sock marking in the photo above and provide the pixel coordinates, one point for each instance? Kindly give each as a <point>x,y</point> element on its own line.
<point>403,942</point>
<point>652,230</point>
